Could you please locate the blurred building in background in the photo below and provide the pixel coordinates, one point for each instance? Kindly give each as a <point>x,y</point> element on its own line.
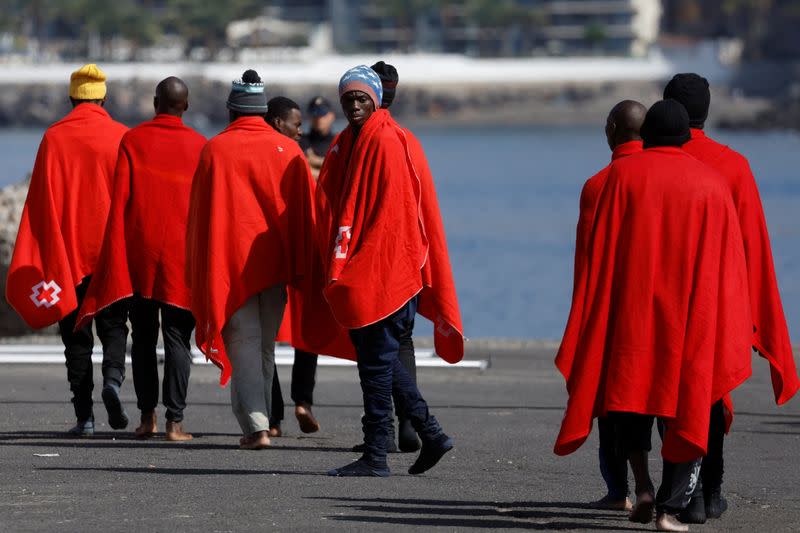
<point>168,30</point>
<point>200,30</point>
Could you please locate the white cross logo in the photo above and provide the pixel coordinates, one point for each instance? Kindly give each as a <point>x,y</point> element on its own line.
<point>342,242</point>
<point>45,294</point>
<point>443,327</point>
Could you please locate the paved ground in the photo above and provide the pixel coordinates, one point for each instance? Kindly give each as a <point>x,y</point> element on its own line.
<point>502,474</point>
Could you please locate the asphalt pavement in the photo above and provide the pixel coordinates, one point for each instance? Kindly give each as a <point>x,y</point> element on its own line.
<point>502,474</point>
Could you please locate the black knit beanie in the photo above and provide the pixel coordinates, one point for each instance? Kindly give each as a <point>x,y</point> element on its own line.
<point>666,124</point>
<point>692,91</point>
<point>389,79</point>
<point>247,95</point>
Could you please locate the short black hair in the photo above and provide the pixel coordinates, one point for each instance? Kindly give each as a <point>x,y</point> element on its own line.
<point>280,107</point>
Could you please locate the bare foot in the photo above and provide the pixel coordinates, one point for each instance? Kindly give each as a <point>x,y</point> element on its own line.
<point>667,522</point>
<point>642,511</point>
<point>175,432</point>
<point>148,426</point>
<point>308,424</point>
<point>257,441</point>
<point>608,503</point>
<point>275,431</point>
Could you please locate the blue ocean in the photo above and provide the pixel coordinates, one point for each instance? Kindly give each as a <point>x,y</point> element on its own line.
<point>509,199</point>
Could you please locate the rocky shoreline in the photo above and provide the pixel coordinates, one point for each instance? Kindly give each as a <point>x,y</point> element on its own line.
<point>542,104</point>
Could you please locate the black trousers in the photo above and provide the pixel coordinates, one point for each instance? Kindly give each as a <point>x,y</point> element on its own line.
<point>112,329</point>
<point>713,464</point>
<point>633,433</point>
<point>304,379</point>
<point>613,464</point>
<point>176,328</point>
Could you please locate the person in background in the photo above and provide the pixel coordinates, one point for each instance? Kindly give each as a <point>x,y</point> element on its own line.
<point>770,332</point>
<point>144,254</point>
<point>250,216</point>
<point>283,114</point>
<point>624,139</point>
<point>316,142</point>
<point>59,242</point>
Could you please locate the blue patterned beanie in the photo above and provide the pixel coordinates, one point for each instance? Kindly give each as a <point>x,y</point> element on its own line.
<point>364,79</point>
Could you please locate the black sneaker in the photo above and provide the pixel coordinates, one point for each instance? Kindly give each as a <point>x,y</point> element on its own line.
<point>715,504</point>
<point>432,452</point>
<point>117,417</point>
<point>695,512</point>
<point>409,442</point>
<point>360,468</point>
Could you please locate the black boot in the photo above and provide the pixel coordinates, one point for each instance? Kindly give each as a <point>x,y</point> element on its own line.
<point>715,504</point>
<point>408,440</point>
<point>695,512</point>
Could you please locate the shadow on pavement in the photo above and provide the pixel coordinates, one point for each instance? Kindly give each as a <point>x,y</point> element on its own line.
<point>127,440</point>
<point>532,515</point>
<point>185,471</point>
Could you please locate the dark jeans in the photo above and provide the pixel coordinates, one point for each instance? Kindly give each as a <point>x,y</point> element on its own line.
<point>713,464</point>
<point>304,374</point>
<point>112,329</point>
<point>176,327</point>
<point>613,465</point>
<point>678,480</point>
<point>380,371</point>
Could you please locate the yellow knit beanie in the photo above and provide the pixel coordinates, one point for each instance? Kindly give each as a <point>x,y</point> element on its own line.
<point>88,83</point>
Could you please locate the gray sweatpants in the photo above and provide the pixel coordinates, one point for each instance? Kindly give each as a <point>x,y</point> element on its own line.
<point>249,338</point>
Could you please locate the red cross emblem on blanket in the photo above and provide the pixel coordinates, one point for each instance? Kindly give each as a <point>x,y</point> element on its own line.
<point>45,294</point>
<point>342,242</point>
<point>443,327</point>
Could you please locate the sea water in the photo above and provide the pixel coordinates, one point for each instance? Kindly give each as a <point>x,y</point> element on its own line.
<point>509,200</point>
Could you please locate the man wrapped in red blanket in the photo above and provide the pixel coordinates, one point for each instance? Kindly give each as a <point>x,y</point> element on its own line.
<point>144,253</point>
<point>250,219</point>
<point>770,332</point>
<point>664,327</point>
<point>376,244</point>
<point>59,242</point>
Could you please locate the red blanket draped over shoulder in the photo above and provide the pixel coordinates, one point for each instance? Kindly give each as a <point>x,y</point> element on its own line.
<point>590,194</point>
<point>144,249</point>
<point>250,225</point>
<point>664,328</point>
<point>65,213</point>
<point>771,335</point>
<point>378,220</point>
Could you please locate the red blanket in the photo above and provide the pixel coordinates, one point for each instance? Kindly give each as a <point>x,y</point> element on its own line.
<point>771,335</point>
<point>589,197</point>
<point>144,249</point>
<point>65,213</point>
<point>665,325</point>
<point>250,219</point>
<point>378,220</point>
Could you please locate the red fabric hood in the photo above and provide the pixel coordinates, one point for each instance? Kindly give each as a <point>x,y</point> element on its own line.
<point>664,328</point>
<point>65,213</point>
<point>381,233</point>
<point>770,332</point>
<point>250,222</point>
<point>144,249</point>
